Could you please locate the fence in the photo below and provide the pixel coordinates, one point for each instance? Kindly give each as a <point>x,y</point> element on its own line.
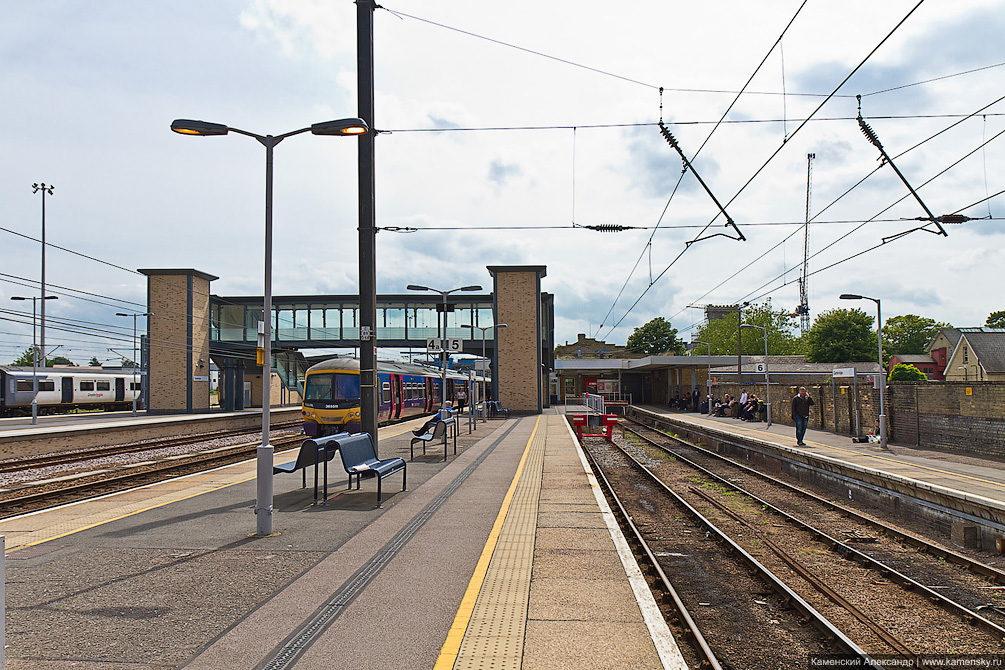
<point>836,407</point>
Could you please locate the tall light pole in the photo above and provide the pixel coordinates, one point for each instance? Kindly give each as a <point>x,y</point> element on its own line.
<point>708,377</point>
<point>34,351</point>
<point>496,339</point>
<point>767,380</point>
<point>882,371</point>
<point>340,127</point>
<point>134,351</point>
<point>443,351</point>
<point>35,188</point>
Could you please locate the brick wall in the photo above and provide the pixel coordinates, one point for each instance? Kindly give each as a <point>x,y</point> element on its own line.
<point>825,399</point>
<point>943,416</point>
<point>519,343</point>
<point>176,369</point>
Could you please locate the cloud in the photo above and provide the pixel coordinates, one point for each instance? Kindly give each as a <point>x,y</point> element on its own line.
<point>500,173</point>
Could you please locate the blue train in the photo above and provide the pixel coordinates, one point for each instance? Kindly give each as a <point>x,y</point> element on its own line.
<point>331,394</point>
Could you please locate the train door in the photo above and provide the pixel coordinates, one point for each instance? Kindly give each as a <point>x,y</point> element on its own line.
<point>120,389</point>
<point>396,396</point>
<point>67,390</point>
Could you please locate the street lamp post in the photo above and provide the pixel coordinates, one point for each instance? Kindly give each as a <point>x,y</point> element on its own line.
<point>708,376</point>
<point>767,380</point>
<point>35,188</point>
<point>443,352</point>
<point>341,127</point>
<point>133,390</point>
<point>882,372</point>
<point>485,409</point>
<point>34,351</point>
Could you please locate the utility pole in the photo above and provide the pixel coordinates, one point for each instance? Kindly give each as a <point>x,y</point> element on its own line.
<point>804,304</point>
<point>367,223</point>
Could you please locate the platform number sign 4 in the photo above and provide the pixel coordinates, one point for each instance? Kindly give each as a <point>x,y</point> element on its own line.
<point>451,345</point>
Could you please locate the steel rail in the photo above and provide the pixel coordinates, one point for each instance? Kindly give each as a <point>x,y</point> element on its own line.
<point>690,627</point>
<point>149,468</point>
<point>781,588</point>
<point>44,460</point>
<point>814,581</point>
<point>847,551</point>
<point>983,569</point>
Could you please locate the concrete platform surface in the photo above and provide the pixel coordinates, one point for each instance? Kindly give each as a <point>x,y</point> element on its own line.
<point>504,556</point>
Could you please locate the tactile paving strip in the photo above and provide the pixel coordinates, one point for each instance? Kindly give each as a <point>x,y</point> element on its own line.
<point>495,634</point>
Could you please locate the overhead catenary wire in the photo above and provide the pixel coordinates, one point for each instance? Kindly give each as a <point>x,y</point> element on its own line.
<point>784,144</point>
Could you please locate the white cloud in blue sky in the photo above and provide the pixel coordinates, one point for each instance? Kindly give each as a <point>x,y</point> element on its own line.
<point>91,89</point>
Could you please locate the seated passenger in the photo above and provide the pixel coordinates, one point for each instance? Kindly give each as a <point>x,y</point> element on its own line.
<point>428,426</point>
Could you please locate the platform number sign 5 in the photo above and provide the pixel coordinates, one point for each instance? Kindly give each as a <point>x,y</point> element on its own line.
<point>451,345</point>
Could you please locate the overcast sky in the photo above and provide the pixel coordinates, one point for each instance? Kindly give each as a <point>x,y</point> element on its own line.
<point>557,132</point>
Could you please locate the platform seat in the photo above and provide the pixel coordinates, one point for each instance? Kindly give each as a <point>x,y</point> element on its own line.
<point>496,408</point>
<point>359,459</point>
<point>438,431</point>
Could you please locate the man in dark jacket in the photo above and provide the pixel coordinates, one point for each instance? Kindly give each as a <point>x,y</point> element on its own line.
<point>801,414</point>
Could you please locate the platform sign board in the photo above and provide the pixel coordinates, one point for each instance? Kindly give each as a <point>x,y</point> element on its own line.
<point>451,345</point>
<point>843,372</point>
<point>758,367</point>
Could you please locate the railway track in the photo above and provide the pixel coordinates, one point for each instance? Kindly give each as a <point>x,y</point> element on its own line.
<point>846,583</point>
<point>80,455</point>
<point>37,495</point>
<point>976,584</point>
<point>747,615</point>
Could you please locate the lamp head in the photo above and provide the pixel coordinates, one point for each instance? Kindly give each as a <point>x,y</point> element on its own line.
<point>416,287</point>
<point>204,128</point>
<point>353,126</point>
<point>122,314</point>
<point>471,288</point>
<point>19,297</point>
<point>850,296</point>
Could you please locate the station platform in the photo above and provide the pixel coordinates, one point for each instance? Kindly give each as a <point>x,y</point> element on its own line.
<point>504,556</point>
<point>971,476</point>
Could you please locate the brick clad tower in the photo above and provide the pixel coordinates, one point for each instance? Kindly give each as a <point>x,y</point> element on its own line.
<point>178,362</point>
<point>520,380</point>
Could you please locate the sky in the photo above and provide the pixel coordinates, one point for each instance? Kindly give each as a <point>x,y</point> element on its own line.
<point>505,128</point>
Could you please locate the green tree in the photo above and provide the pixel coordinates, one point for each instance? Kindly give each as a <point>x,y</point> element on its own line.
<point>94,362</point>
<point>841,336</point>
<point>909,334</point>
<point>905,372</point>
<point>996,319</point>
<point>25,360</point>
<point>656,337</point>
<point>128,363</point>
<point>721,333</point>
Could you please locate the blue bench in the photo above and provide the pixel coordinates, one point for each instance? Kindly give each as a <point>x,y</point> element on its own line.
<point>439,431</point>
<point>360,460</point>
<point>312,452</point>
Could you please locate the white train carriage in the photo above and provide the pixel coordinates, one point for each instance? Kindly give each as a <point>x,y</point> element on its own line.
<point>63,389</point>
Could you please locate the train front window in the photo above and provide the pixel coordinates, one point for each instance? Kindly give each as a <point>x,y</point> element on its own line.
<point>332,386</point>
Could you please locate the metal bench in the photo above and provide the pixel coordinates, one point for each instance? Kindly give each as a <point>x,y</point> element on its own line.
<point>496,408</point>
<point>360,459</point>
<point>439,431</point>
<point>312,452</point>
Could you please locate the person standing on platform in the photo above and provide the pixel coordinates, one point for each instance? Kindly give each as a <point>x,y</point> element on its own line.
<point>801,414</point>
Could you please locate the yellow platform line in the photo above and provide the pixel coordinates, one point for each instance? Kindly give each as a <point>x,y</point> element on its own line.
<point>455,636</point>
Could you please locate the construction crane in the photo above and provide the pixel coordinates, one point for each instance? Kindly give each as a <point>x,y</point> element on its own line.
<point>803,310</point>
